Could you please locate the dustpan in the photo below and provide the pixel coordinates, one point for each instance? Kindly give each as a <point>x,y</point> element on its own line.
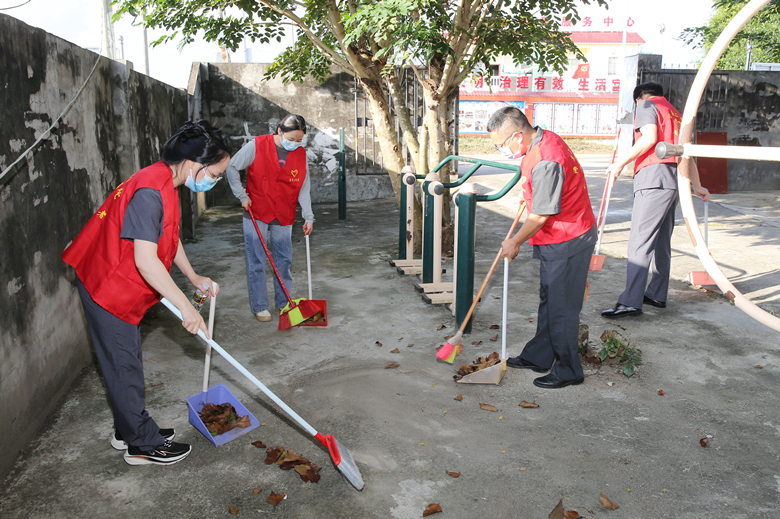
<point>495,373</point>
<point>217,395</point>
<point>700,278</point>
<point>319,302</point>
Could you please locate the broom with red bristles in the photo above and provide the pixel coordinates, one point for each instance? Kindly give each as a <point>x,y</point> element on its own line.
<point>295,311</point>
<point>449,351</point>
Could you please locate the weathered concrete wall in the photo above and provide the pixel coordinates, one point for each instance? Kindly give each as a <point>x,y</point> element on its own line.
<point>236,96</point>
<point>115,127</point>
<point>751,118</point>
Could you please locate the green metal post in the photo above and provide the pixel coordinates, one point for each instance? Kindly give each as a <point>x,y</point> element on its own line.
<point>467,234</point>
<point>342,183</point>
<point>402,226</point>
<point>427,248</point>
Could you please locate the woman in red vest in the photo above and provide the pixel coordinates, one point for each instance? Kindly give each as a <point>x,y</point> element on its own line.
<point>123,258</point>
<point>276,182</point>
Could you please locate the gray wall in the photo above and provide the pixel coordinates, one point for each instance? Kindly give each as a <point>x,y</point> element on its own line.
<point>751,116</point>
<point>236,96</point>
<point>117,125</point>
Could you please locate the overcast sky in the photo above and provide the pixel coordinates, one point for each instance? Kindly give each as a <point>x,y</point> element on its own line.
<point>79,21</point>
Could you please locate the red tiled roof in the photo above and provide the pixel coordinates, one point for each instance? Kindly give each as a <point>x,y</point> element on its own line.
<point>584,37</point>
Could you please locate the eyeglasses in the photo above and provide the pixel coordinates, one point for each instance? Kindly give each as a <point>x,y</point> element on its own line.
<point>216,178</point>
<point>504,144</point>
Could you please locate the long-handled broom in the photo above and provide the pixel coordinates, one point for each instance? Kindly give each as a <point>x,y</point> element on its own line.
<point>449,351</point>
<point>342,458</point>
<point>296,310</point>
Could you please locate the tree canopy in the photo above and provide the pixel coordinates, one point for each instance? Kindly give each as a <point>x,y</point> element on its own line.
<point>762,32</point>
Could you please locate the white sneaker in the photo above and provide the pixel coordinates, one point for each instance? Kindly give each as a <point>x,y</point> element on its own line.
<point>264,316</point>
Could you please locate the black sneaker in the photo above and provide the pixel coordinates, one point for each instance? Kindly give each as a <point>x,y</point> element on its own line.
<point>166,454</point>
<point>119,444</point>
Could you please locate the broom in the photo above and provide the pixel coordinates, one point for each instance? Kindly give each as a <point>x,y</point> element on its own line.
<point>449,351</point>
<point>342,458</point>
<point>296,310</point>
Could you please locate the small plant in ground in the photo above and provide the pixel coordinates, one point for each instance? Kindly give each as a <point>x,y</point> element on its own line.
<point>617,345</point>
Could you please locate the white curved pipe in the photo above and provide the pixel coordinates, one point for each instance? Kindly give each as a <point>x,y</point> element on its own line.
<point>684,185</point>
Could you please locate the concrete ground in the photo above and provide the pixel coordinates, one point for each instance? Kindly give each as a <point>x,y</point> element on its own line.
<point>611,434</point>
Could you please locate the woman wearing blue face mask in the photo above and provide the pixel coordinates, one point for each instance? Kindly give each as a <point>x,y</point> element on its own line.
<point>123,258</point>
<point>277,182</point>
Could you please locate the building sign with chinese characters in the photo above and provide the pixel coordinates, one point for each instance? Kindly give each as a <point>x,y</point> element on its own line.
<point>591,23</point>
<point>528,83</point>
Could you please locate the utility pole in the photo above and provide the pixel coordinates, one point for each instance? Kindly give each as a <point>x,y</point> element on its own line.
<point>122,46</point>
<point>108,30</point>
<point>146,47</point>
<point>749,56</point>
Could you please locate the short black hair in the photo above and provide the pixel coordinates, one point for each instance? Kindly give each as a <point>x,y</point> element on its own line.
<point>198,141</point>
<point>654,89</point>
<point>506,116</point>
<point>292,122</point>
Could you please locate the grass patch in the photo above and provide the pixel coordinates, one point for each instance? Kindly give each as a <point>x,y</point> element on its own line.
<point>470,145</point>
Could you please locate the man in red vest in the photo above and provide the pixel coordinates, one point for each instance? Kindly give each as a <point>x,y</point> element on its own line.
<point>560,226</point>
<point>655,200</point>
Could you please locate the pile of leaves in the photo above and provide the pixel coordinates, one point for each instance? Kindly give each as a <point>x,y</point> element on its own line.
<point>616,348</point>
<point>316,318</point>
<point>219,419</point>
<point>481,363</point>
<point>288,459</point>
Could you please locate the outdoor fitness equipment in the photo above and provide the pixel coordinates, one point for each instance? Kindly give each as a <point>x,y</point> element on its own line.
<point>686,150</point>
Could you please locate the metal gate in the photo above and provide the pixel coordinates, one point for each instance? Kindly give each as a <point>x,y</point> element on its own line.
<point>677,84</point>
<point>368,156</point>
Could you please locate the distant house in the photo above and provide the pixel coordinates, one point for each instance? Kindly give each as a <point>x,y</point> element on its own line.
<point>581,102</point>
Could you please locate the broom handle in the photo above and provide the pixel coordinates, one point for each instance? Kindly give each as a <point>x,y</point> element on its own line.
<point>268,255</point>
<point>207,366</point>
<point>606,183</point>
<point>308,264</point>
<point>492,268</point>
<point>311,430</point>
<point>610,182</point>
<point>504,308</point>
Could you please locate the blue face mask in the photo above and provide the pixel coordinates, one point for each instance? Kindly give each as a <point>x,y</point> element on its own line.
<point>290,145</point>
<point>201,186</point>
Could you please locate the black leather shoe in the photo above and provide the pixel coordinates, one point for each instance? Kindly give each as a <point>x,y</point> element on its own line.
<point>621,311</point>
<point>653,302</point>
<point>550,381</point>
<point>517,362</point>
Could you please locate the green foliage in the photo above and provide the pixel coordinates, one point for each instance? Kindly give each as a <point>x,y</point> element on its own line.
<point>616,345</point>
<point>762,32</point>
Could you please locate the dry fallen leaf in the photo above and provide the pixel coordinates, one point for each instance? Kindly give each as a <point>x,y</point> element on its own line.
<point>496,297</point>
<point>758,366</point>
<point>391,366</point>
<point>661,392</point>
<point>448,337</point>
<point>395,351</point>
<point>459,397</point>
<point>257,490</point>
<point>275,499</point>
<point>431,509</point>
<point>488,407</point>
<point>523,469</point>
<point>453,474</point>
<point>572,514</point>
<point>494,327</point>
<point>703,442</point>
<point>409,345</point>
<point>607,502</point>
<point>233,509</point>
<point>476,343</point>
<point>529,405</point>
<point>494,338</point>
<point>378,343</point>
<point>610,384</point>
<point>557,512</point>
<point>259,444</point>
<point>272,455</point>
<point>441,326</point>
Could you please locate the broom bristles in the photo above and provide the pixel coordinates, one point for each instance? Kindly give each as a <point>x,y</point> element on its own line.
<point>342,458</point>
<point>445,353</point>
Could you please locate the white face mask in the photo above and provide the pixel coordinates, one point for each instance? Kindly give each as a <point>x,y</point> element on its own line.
<point>506,151</point>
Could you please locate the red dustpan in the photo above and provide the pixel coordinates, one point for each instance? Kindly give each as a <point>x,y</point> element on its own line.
<point>316,319</point>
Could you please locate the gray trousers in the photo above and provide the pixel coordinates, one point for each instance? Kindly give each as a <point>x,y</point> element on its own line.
<point>117,346</point>
<point>561,292</point>
<point>650,246</point>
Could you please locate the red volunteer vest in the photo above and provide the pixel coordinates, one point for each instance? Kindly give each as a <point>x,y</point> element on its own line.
<point>576,216</point>
<point>273,189</point>
<point>105,263</point>
<point>669,120</point>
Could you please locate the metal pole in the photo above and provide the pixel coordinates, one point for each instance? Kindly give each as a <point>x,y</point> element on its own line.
<point>749,56</point>
<point>342,177</point>
<point>428,229</point>
<point>108,30</point>
<point>467,230</point>
<point>146,46</point>
<point>406,219</point>
<point>122,46</point>
<point>436,190</point>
